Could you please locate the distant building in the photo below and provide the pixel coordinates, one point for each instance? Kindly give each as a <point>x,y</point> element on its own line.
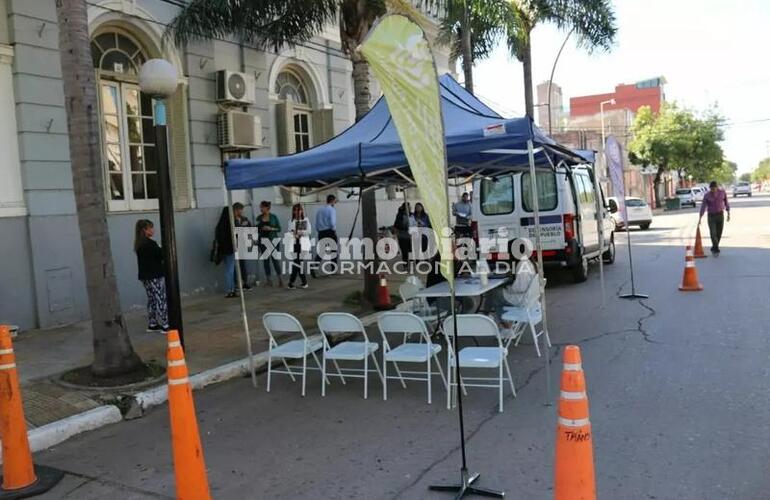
<point>550,110</point>
<point>585,125</point>
<point>631,97</point>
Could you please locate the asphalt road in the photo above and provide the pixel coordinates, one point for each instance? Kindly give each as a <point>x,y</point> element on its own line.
<point>678,387</point>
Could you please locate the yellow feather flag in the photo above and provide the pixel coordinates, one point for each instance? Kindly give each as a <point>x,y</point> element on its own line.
<point>400,57</point>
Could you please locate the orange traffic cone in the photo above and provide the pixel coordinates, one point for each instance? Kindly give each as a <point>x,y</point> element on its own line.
<point>383,295</point>
<point>699,253</point>
<point>189,467</point>
<point>690,281</point>
<point>574,470</point>
<point>20,476</point>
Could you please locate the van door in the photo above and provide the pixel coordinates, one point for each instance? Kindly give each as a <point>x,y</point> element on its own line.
<point>551,221</point>
<point>493,211</point>
<point>589,232</point>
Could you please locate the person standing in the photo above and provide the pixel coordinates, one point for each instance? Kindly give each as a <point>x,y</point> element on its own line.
<point>422,221</point>
<point>401,226</point>
<point>241,220</point>
<point>223,238</point>
<point>463,211</point>
<point>326,225</point>
<point>269,229</point>
<point>715,203</point>
<point>149,260</point>
<point>299,226</point>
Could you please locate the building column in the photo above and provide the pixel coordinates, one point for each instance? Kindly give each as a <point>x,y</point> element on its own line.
<point>11,190</point>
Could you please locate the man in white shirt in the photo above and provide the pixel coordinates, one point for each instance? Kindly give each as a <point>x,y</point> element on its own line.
<point>326,224</point>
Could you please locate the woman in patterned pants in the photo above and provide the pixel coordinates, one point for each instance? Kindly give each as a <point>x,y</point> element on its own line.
<point>149,258</point>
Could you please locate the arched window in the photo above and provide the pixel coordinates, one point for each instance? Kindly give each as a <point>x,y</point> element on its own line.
<point>127,123</point>
<point>295,111</point>
<point>288,86</point>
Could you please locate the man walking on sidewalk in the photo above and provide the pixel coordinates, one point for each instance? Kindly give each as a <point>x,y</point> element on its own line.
<point>716,203</point>
<point>326,225</point>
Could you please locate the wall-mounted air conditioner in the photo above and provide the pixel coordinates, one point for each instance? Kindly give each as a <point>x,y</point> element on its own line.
<point>235,88</point>
<point>239,131</point>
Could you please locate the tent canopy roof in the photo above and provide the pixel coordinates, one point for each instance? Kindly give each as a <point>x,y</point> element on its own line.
<point>369,152</point>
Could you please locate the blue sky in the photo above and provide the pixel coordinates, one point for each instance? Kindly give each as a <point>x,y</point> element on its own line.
<point>710,51</point>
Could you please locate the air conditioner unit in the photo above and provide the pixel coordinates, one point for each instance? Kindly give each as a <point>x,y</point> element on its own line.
<point>235,88</point>
<point>239,131</point>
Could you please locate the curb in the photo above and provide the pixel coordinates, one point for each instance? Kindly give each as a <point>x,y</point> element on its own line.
<point>144,400</point>
<point>51,434</point>
<point>48,435</point>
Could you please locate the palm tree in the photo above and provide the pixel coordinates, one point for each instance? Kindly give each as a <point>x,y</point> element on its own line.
<point>487,20</point>
<point>593,21</point>
<point>113,353</point>
<point>278,23</point>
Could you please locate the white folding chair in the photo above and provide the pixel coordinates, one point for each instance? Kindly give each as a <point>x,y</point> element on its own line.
<point>417,305</point>
<point>528,313</point>
<point>293,349</point>
<point>409,352</point>
<point>349,350</point>
<point>477,325</point>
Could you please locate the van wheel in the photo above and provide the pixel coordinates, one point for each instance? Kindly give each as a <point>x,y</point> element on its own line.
<point>609,255</point>
<point>645,226</point>
<point>580,271</point>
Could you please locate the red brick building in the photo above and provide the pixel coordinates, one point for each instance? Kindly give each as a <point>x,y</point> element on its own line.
<point>630,97</point>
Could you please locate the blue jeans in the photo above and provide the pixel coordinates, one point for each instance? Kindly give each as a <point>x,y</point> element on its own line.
<point>229,262</point>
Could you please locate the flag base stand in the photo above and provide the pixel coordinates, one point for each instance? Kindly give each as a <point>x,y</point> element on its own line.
<point>467,487</point>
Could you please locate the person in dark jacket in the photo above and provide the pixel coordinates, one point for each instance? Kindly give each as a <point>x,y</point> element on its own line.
<point>401,226</point>
<point>149,259</point>
<point>224,241</point>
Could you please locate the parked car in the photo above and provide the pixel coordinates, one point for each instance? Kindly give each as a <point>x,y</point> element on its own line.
<point>502,209</point>
<point>742,189</point>
<point>698,193</point>
<point>686,197</point>
<point>638,213</point>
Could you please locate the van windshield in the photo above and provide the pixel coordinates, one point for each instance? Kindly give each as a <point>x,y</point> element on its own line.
<point>683,191</point>
<point>497,196</point>
<point>547,198</point>
<point>635,202</point>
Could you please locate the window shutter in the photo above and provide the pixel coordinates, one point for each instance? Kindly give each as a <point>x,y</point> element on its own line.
<point>284,124</point>
<point>178,149</point>
<point>323,125</point>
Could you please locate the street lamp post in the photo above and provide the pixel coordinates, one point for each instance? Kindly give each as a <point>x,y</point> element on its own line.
<point>604,138</point>
<point>158,78</point>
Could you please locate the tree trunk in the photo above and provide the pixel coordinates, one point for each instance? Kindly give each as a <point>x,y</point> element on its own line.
<point>467,50</point>
<point>113,353</point>
<point>362,98</point>
<point>362,94</point>
<point>526,60</point>
<point>656,187</point>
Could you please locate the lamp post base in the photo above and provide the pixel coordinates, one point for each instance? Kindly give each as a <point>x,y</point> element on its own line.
<point>467,488</point>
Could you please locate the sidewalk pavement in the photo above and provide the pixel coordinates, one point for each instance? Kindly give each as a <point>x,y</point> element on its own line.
<point>214,337</point>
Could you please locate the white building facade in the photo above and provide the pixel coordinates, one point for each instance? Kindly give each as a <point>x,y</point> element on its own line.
<point>302,97</point>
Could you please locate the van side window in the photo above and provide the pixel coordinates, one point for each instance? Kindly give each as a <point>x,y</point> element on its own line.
<point>585,189</point>
<point>497,196</point>
<point>547,197</point>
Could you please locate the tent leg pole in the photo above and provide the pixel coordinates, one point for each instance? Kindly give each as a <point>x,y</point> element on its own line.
<point>540,272</point>
<point>239,277</point>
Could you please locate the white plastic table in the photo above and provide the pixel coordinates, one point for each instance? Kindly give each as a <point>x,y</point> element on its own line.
<point>464,287</point>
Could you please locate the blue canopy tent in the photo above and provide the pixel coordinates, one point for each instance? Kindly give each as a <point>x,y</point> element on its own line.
<point>368,154</point>
<point>478,140</point>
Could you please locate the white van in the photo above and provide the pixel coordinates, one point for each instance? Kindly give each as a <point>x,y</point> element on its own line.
<point>569,233</point>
